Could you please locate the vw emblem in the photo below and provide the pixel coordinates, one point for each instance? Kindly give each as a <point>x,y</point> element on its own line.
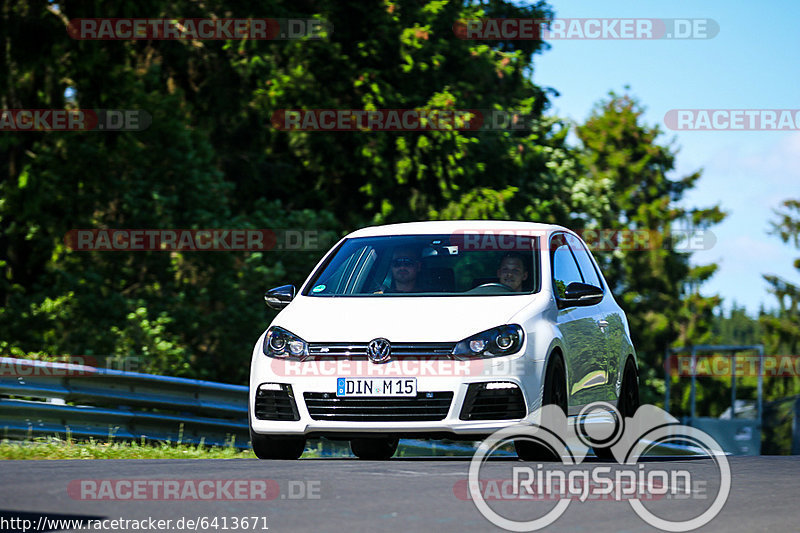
<point>379,350</point>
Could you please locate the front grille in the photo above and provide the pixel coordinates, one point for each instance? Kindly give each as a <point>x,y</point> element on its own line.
<point>481,403</point>
<point>426,406</point>
<point>276,404</point>
<point>358,350</point>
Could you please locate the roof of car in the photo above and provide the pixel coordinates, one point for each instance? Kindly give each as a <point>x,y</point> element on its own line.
<point>457,226</point>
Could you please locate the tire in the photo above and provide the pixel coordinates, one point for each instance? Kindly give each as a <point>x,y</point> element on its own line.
<point>627,404</point>
<point>269,447</point>
<point>374,449</point>
<point>629,394</point>
<point>554,393</point>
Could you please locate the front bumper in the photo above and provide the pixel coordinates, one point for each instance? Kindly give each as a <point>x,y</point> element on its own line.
<point>307,389</point>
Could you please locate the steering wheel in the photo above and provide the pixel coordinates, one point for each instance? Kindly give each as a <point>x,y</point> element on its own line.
<point>493,285</point>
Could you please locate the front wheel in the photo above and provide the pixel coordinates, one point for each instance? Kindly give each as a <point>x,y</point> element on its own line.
<point>375,449</point>
<point>274,447</point>
<point>554,393</point>
<point>627,404</point>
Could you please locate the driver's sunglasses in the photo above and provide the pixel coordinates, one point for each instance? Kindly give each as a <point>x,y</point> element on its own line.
<point>403,261</point>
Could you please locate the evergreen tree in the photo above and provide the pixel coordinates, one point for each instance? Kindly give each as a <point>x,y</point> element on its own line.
<point>782,328</point>
<point>626,186</point>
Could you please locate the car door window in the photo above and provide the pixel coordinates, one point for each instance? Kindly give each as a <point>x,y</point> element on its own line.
<point>349,275</point>
<point>565,269</point>
<point>584,262</point>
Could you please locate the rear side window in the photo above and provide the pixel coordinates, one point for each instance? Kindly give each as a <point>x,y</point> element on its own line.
<point>584,262</point>
<point>565,268</point>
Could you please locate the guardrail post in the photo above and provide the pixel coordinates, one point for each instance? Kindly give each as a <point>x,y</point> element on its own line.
<point>667,378</point>
<point>796,428</point>
<point>733,385</point>
<point>693,393</point>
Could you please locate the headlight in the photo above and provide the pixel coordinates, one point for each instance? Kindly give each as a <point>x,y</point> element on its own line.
<point>504,340</point>
<point>283,344</point>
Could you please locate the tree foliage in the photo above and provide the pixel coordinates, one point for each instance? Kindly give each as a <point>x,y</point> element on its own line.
<point>782,328</point>
<point>211,159</point>
<point>625,185</point>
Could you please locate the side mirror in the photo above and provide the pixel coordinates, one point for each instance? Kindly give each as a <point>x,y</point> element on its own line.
<point>581,294</point>
<point>279,297</point>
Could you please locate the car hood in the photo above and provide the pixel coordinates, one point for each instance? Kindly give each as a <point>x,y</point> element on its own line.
<point>398,319</point>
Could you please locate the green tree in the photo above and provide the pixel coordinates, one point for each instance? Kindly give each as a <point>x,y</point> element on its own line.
<point>211,159</point>
<point>737,327</point>
<point>782,327</point>
<point>385,55</point>
<point>782,337</point>
<point>625,185</point>
<point>194,314</point>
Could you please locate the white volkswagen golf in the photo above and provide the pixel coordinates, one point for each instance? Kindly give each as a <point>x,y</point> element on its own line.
<point>438,330</point>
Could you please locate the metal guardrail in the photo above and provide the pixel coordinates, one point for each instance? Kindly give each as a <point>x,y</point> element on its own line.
<point>779,414</point>
<point>737,436</point>
<point>112,404</point>
<point>40,398</point>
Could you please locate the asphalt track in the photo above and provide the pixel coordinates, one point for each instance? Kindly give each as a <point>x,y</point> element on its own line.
<point>397,495</point>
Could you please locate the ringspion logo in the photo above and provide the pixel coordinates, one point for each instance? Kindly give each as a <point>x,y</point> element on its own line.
<point>571,479</point>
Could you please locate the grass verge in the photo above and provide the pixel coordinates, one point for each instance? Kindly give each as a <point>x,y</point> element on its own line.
<point>54,448</point>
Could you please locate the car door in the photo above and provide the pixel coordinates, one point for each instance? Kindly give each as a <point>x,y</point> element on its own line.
<point>580,327</point>
<point>608,319</point>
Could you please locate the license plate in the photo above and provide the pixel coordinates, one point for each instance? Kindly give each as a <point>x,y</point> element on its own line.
<point>376,387</point>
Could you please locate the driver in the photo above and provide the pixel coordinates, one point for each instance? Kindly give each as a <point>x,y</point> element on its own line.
<point>406,265</point>
<point>512,271</point>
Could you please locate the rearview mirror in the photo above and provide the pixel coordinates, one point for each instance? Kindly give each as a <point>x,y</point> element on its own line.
<point>279,297</point>
<point>581,294</point>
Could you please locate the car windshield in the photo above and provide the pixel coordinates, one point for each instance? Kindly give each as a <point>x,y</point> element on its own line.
<point>430,265</point>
